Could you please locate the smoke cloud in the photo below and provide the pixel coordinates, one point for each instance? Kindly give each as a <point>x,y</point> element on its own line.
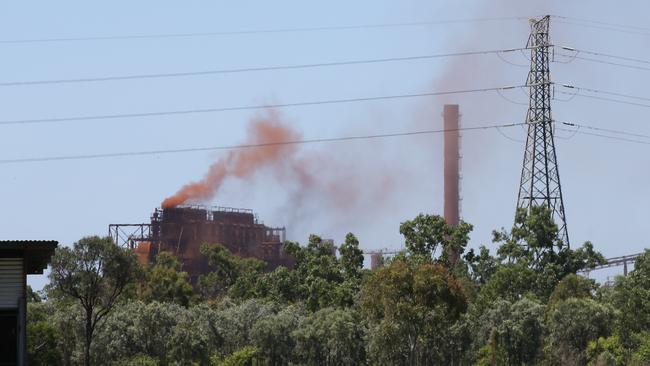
<point>317,189</point>
<point>243,163</point>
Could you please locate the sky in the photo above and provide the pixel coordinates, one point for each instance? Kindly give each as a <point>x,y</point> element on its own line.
<point>376,184</point>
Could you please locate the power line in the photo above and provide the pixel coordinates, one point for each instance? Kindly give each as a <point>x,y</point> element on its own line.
<point>604,27</point>
<point>605,99</point>
<point>619,132</point>
<point>572,49</point>
<point>248,146</point>
<point>255,31</point>
<point>598,91</point>
<point>498,127</point>
<point>598,22</point>
<point>607,136</point>
<point>248,107</point>
<point>253,69</point>
<point>576,56</point>
<point>508,137</point>
<point>575,132</point>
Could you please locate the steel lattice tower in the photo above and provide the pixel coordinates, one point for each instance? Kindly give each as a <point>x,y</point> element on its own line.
<point>540,178</point>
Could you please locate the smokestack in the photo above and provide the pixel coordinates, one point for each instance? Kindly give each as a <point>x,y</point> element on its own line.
<point>452,175</point>
<point>452,159</point>
<point>376,260</point>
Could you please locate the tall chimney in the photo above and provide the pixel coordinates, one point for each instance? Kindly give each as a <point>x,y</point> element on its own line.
<point>452,158</point>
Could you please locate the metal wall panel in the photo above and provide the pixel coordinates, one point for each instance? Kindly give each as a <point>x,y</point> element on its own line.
<point>11,282</point>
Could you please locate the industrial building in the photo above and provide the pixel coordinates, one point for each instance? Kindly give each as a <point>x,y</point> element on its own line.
<point>182,230</point>
<point>18,258</point>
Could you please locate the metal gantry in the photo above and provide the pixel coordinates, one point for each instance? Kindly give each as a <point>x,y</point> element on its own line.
<point>129,235</point>
<point>540,178</point>
<point>623,260</point>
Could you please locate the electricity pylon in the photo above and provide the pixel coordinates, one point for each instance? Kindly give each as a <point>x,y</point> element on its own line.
<point>540,178</point>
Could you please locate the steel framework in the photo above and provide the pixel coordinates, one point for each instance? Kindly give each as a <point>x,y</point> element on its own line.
<point>540,177</point>
<point>623,260</point>
<point>129,235</point>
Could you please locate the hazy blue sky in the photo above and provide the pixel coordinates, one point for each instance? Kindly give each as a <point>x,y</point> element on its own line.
<point>605,182</point>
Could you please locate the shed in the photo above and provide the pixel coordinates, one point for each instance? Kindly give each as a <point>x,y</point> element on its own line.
<point>18,258</point>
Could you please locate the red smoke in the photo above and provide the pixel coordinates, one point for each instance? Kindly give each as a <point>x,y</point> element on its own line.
<point>244,162</point>
<point>322,188</point>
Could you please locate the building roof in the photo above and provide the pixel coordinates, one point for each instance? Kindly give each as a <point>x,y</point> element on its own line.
<point>36,253</point>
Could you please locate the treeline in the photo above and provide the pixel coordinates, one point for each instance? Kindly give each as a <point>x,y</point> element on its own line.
<point>433,304</point>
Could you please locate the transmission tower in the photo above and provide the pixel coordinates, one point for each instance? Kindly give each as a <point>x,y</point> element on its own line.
<point>540,178</point>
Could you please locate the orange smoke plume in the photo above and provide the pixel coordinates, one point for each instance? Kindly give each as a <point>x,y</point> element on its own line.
<point>241,163</point>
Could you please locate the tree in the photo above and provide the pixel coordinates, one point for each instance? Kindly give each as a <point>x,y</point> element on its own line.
<point>243,357</point>
<point>235,323</point>
<point>572,324</point>
<point>411,307</point>
<point>140,329</point>
<point>273,337</point>
<point>330,336</point>
<point>513,331</point>
<point>491,354</point>
<point>42,336</point>
<point>230,272</point>
<point>426,233</point>
<point>603,349</point>
<point>245,286</point>
<point>68,317</point>
<point>319,274</point>
<point>165,283</point>
<point>140,360</point>
<point>534,242</point>
<point>281,285</point>
<point>510,282</point>
<point>351,256</point>
<point>630,295</point>
<point>641,355</point>
<point>32,296</point>
<point>191,340</point>
<point>481,265</point>
<point>572,286</point>
<point>95,272</point>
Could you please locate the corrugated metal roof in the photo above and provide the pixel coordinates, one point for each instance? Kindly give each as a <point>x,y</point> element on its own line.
<point>27,242</point>
<point>36,253</point>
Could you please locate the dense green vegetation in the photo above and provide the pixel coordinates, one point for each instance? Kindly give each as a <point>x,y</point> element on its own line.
<point>433,304</point>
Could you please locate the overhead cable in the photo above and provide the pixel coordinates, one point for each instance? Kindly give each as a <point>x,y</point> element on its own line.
<point>249,146</point>
<point>600,24</point>
<point>613,28</point>
<point>602,54</point>
<point>598,91</point>
<point>603,98</point>
<point>591,59</point>
<point>608,130</point>
<point>252,69</point>
<point>498,127</point>
<point>255,31</point>
<point>246,107</point>
<point>607,136</point>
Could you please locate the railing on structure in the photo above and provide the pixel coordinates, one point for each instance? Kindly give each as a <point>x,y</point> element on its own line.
<point>381,251</point>
<point>623,260</point>
<point>129,235</point>
<point>210,210</point>
<point>218,208</point>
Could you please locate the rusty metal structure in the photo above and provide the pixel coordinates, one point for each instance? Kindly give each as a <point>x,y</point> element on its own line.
<point>451,164</point>
<point>378,257</point>
<point>452,167</point>
<point>182,230</point>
